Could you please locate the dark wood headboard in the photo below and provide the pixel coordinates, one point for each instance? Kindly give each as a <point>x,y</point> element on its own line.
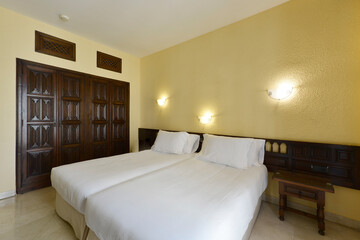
<point>339,164</point>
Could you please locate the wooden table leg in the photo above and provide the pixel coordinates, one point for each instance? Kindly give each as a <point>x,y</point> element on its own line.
<point>85,233</point>
<point>320,212</point>
<point>282,201</point>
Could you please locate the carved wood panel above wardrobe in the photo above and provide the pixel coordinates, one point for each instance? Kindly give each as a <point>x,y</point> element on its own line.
<point>65,117</point>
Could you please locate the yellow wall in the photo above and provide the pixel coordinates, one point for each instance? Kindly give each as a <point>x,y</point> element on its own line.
<point>17,40</point>
<point>315,44</point>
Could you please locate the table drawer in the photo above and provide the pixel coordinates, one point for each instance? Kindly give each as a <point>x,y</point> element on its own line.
<point>323,170</point>
<point>300,192</point>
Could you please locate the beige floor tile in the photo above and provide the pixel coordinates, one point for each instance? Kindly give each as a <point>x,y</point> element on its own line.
<point>32,216</point>
<point>296,227</point>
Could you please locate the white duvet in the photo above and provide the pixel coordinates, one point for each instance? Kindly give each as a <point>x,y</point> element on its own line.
<point>76,182</point>
<point>189,200</point>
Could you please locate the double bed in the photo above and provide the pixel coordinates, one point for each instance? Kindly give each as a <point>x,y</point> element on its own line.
<point>156,194</point>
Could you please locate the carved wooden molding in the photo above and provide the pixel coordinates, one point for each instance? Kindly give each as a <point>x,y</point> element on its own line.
<point>109,62</point>
<point>54,46</point>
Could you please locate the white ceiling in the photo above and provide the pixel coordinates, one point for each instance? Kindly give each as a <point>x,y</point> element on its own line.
<point>140,27</point>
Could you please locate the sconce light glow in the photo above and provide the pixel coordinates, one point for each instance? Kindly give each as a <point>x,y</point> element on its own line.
<point>282,92</point>
<point>206,118</point>
<point>161,101</point>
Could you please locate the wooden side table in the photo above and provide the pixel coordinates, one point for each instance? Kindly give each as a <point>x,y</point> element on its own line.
<point>305,187</point>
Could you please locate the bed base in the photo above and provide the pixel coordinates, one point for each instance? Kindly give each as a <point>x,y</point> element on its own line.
<point>87,230</point>
<point>253,220</point>
<point>74,218</point>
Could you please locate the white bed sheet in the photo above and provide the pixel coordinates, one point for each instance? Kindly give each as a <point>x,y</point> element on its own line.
<point>75,182</point>
<point>190,200</point>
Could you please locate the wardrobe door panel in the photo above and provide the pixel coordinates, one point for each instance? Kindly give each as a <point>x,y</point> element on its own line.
<point>119,118</point>
<point>40,81</point>
<point>71,110</point>
<point>100,111</point>
<point>99,114</point>
<point>71,100</point>
<point>72,85</point>
<point>70,135</point>
<point>70,154</point>
<point>40,136</point>
<point>39,163</point>
<point>36,132</point>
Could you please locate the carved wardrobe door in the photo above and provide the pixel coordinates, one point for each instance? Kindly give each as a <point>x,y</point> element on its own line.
<point>119,117</point>
<point>36,126</point>
<point>72,125</point>
<point>65,117</point>
<point>99,115</point>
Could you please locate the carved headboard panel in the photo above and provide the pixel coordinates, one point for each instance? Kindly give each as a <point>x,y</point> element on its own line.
<point>340,164</point>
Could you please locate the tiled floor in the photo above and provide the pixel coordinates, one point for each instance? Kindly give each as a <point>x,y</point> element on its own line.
<point>32,216</point>
<point>296,227</point>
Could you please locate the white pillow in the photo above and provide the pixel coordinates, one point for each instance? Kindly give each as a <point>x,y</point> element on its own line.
<point>192,143</point>
<point>226,150</point>
<point>261,149</point>
<point>170,142</point>
<point>256,153</point>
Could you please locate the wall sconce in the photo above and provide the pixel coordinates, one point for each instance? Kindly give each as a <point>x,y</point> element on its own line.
<point>206,118</point>
<point>280,93</point>
<point>161,101</point>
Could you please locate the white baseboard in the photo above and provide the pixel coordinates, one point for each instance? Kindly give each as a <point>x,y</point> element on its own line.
<point>328,216</point>
<point>7,194</point>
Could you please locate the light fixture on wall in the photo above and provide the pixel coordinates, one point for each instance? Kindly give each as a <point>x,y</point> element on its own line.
<point>161,101</point>
<point>282,92</point>
<point>206,118</point>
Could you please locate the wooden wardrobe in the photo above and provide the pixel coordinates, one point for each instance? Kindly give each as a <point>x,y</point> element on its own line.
<point>66,117</point>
